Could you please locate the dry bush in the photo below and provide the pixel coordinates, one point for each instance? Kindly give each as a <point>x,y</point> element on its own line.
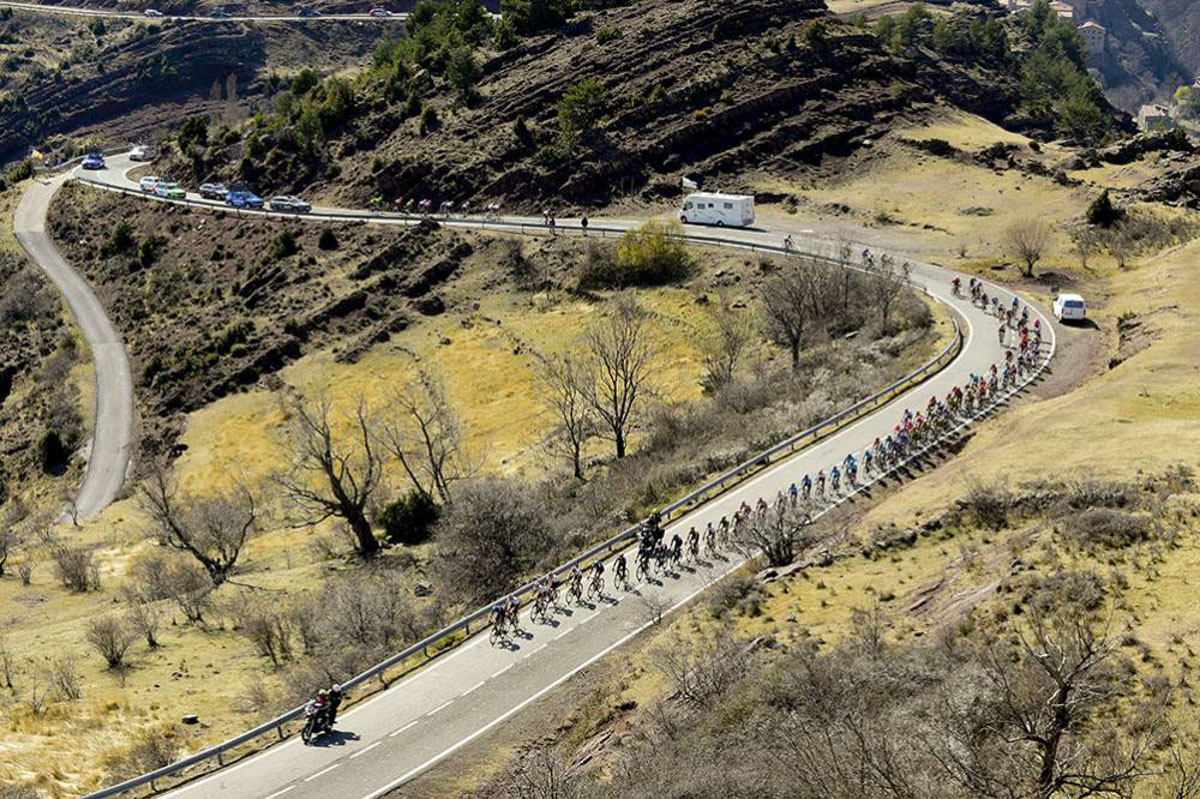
<point>987,504</point>
<point>19,792</point>
<point>111,637</point>
<point>1106,528</point>
<point>76,568</point>
<point>25,569</point>
<point>64,679</point>
<point>142,616</point>
<point>739,594</point>
<point>181,581</point>
<point>266,626</point>
<point>151,749</point>
<point>701,669</point>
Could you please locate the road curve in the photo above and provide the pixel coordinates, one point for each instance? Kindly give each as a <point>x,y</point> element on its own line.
<point>391,738</point>
<point>111,13</point>
<point>112,435</point>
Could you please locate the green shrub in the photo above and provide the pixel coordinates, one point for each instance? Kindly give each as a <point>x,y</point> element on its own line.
<point>581,108</point>
<point>1102,212</point>
<point>282,246</point>
<point>651,256</point>
<point>119,240</point>
<point>328,240</point>
<point>429,119</point>
<point>609,33</point>
<point>409,520</point>
<point>148,251</point>
<point>53,452</point>
<point>535,16</point>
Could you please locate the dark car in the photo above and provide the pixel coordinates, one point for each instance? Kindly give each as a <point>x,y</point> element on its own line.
<point>309,12</point>
<point>93,161</point>
<point>243,198</point>
<point>287,202</point>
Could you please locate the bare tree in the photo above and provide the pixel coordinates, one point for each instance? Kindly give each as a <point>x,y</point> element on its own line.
<point>622,359</point>
<point>564,393</point>
<point>335,476</point>
<point>426,437</point>
<point>76,567</point>
<point>8,544</point>
<point>1028,238</point>
<point>490,537</point>
<point>8,665</point>
<point>176,578</point>
<point>885,284</point>
<point>212,530</point>
<point>542,774</point>
<point>791,304</point>
<point>25,569</point>
<point>724,347</point>
<point>780,535</point>
<point>142,616</point>
<point>111,637</point>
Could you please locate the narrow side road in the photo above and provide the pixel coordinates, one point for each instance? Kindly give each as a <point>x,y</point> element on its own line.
<point>109,450</point>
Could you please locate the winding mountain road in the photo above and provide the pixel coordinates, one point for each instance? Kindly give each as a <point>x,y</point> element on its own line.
<point>109,450</point>
<point>386,741</point>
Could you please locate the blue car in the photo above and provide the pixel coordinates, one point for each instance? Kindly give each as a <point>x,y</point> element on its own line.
<point>242,198</point>
<point>93,161</point>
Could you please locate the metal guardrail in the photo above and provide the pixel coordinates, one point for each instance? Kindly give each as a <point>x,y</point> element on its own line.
<point>462,629</point>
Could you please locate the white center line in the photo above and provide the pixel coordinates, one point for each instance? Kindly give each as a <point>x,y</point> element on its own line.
<point>365,750</point>
<point>532,652</point>
<point>506,668</point>
<point>407,726</point>
<point>473,688</point>
<point>440,707</point>
<point>560,635</point>
<point>322,771</point>
<point>281,793</point>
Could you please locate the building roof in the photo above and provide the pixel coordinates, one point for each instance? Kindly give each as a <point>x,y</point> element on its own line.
<point>1090,25</point>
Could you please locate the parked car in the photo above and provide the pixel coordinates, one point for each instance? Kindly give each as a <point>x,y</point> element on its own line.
<point>243,198</point>
<point>93,161</point>
<point>152,12</point>
<point>149,183</point>
<point>169,189</point>
<point>213,191</point>
<point>309,12</point>
<point>220,13</point>
<point>141,152</point>
<point>287,202</point>
<point>1070,308</point>
<point>379,12</point>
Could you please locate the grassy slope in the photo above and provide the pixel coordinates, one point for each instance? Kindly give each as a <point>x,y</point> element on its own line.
<point>1119,423</point>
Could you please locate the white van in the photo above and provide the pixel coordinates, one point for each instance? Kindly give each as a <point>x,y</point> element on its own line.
<point>142,152</point>
<point>703,208</point>
<point>1070,308</point>
<point>149,183</point>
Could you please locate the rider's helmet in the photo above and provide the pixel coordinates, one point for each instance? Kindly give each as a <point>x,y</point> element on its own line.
<point>337,688</point>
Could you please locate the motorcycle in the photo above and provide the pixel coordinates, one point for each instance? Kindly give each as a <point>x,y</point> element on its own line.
<point>316,722</point>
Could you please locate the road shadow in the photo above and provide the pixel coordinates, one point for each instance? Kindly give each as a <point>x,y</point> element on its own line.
<point>335,738</point>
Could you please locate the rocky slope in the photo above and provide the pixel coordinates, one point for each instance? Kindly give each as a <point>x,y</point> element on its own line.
<point>710,91</point>
<point>118,79</point>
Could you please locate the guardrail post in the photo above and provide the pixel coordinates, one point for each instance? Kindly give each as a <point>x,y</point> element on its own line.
<point>279,730</point>
<point>220,758</point>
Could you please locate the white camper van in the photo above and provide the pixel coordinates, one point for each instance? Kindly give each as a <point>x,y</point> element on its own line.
<point>703,208</point>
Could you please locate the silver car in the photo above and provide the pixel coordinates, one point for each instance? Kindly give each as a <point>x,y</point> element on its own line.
<point>288,202</point>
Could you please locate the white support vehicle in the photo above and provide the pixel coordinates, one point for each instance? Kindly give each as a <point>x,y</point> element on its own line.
<point>706,208</point>
<point>1070,308</point>
<point>142,152</point>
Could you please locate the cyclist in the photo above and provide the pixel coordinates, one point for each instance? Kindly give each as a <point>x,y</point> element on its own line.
<point>788,244</point>
<point>793,494</point>
<point>806,486</point>
<point>514,612</point>
<point>621,570</point>
<point>821,483</point>
<point>499,616</point>
<point>835,478</point>
<point>676,548</point>
<point>597,584</point>
<point>710,538</point>
<point>957,284</point>
<point>693,543</point>
<point>576,587</point>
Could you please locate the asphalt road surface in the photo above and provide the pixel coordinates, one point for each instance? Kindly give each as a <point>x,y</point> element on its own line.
<point>108,452</point>
<point>425,717</point>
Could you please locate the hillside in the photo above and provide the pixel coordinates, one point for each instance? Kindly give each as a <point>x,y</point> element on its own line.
<point>116,80</point>
<point>622,102</point>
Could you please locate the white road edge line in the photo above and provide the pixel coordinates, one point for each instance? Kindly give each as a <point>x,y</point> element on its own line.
<point>364,750</point>
<point>407,726</point>
<point>281,793</point>
<point>441,707</point>
<point>322,772</point>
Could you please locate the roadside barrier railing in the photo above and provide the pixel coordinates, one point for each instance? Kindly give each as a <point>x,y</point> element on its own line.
<point>466,626</point>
